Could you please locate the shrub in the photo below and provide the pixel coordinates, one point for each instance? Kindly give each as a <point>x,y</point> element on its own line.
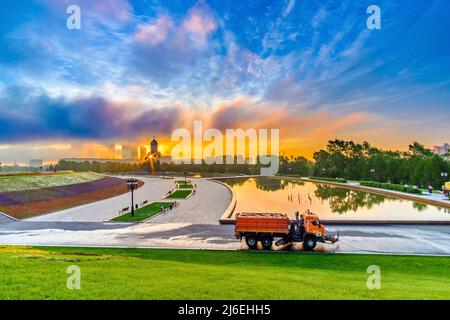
<point>340,180</point>
<point>390,186</point>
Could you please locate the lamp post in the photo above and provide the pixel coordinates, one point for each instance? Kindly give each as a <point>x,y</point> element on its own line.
<point>132,185</point>
<point>444,174</point>
<point>185,175</point>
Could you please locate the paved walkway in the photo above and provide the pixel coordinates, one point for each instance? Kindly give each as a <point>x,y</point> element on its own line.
<point>206,206</point>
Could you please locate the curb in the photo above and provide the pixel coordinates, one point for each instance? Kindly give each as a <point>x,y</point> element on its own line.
<point>8,216</point>
<point>226,217</point>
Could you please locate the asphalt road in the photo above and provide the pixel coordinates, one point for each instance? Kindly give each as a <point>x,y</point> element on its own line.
<point>392,239</point>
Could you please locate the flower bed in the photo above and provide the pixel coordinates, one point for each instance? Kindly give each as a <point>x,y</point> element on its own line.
<point>24,204</point>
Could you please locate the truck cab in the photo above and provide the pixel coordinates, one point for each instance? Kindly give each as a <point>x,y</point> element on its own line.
<point>312,231</point>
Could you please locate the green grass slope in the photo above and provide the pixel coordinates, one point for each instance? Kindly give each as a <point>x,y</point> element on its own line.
<point>41,273</point>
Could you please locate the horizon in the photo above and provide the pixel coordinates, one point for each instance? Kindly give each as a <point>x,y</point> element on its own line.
<point>167,154</point>
<point>141,68</point>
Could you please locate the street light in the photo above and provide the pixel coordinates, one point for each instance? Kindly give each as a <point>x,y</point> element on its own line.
<point>185,174</point>
<point>444,174</point>
<point>132,185</point>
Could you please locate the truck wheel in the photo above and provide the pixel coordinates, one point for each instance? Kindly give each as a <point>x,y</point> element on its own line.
<point>251,241</point>
<point>309,243</point>
<point>266,242</point>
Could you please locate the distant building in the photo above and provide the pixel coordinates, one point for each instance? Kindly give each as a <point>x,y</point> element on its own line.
<point>117,151</point>
<point>441,150</point>
<point>154,153</point>
<point>36,163</point>
<point>142,152</point>
<point>154,146</point>
<point>101,160</point>
<point>130,152</point>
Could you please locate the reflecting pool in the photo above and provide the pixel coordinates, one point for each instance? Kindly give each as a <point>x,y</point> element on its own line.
<point>329,202</point>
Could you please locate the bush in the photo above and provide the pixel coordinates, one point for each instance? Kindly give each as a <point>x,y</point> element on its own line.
<point>340,180</point>
<point>390,186</point>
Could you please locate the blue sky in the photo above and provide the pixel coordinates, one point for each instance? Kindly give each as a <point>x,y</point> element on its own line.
<point>143,68</point>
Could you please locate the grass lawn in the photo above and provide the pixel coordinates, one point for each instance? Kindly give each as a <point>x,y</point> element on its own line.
<point>179,194</point>
<point>40,273</point>
<point>185,186</point>
<point>144,212</point>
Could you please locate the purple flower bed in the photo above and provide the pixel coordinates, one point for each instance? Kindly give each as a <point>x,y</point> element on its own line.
<point>46,194</point>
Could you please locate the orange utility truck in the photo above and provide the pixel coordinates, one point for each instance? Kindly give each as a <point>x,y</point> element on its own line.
<point>265,227</point>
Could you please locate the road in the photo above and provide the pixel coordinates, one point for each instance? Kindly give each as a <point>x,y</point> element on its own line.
<point>392,239</point>
<point>194,225</point>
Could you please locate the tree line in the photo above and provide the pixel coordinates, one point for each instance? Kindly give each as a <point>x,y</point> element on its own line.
<point>417,166</point>
<point>95,166</point>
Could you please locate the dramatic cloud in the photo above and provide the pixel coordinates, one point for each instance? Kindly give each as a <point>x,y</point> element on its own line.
<point>144,67</point>
<point>37,117</point>
<point>166,48</point>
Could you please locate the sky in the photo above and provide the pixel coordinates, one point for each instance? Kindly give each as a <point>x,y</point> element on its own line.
<point>138,69</point>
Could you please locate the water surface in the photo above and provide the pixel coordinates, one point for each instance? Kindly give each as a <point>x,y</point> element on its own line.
<point>329,202</point>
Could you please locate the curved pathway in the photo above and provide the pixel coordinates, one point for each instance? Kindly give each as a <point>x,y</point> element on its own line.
<point>206,206</point>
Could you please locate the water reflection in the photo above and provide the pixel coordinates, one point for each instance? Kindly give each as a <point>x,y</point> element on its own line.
<point>343,200</point>
<point>330,202</point>
<point>419,206</point>
<point>265,184</point>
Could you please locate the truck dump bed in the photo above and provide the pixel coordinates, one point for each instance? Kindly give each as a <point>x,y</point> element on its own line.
<point>262,222</point>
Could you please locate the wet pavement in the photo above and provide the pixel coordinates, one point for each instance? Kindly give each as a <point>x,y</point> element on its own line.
<point>392,239</point>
